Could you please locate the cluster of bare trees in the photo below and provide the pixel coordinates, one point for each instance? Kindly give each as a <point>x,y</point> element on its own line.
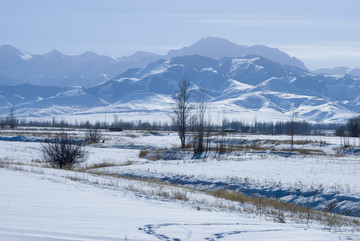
<point>353,127</point>
<point>350,129</point>
<point>11,121</point>
<point>187,115</point>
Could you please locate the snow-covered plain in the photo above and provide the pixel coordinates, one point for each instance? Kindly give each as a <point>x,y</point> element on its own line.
<point>38,203</point>
<point>42,208</point>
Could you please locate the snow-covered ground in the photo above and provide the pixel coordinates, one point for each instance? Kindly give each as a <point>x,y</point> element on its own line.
<point>39,203</point>
<point>44,208</point>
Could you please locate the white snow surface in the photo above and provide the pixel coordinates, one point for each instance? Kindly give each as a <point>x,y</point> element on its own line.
<point>44,204</point>
<point>44,208</point>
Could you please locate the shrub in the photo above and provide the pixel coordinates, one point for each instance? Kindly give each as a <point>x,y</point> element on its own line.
<point>93,135</point>
<point>63,152</point>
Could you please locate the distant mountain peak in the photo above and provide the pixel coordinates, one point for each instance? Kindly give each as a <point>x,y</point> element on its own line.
<point>89,54</point>
<point>143,53</point>
<point>8,47</point>
<point>214,41</point>
<point>54,53</point>
<point>10,50</point>
<point>140,56</point>
<point>215,47</point>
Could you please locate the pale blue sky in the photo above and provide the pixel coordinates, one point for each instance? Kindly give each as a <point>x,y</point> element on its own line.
<point>322,33</point>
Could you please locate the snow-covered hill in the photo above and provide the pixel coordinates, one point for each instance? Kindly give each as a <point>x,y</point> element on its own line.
<point>250,84</point>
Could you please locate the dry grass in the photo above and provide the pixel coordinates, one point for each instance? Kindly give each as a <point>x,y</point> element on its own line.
<point>5,163</point>
<point>304,151</point>
<point>154,154</point>
<point>279,210</point>
<point>41,134</point>
<point>188,146</point>
<point>158,191</point>
<point>143,153</point>
<point>103,165</point>
<point>99,165</point>
<point>298,142</point>
<point>251,147</point>
<point>127,163</point>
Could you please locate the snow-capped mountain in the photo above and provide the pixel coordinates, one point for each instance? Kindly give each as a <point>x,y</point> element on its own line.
<point>232,85</point>
<point>214,47</point>
<point>57,69</point>
<point>90,69</point>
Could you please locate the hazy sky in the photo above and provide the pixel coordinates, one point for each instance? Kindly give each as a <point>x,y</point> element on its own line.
<point>322,33</point>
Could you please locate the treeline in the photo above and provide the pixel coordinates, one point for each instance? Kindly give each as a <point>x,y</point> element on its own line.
<point>9,121</point>
<point>12,122</point>
<point>350,129</point>
<point>280,127</point>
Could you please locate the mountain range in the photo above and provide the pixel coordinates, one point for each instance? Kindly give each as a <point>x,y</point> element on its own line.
<point>90,69</point>
<point>241,82</point>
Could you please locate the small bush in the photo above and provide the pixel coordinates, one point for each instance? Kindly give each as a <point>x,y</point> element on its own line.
<point>63,152</point>
<point>93,135</point>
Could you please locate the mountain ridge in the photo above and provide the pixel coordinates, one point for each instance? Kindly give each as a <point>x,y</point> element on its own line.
<point>89,69</point>
<point>215,47</point>
<point>232,85</point>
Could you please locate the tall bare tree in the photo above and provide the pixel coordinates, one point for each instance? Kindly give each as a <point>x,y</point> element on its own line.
<point>12,119</point>
<point>292,123</point>
<point>181,110</point>
<point>200,126</point>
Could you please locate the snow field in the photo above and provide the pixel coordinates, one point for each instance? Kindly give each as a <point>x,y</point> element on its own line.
<point>46,207</point>
<point>30,200</point>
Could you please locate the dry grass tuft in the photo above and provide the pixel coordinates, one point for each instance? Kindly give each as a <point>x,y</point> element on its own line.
<point>97,165</point>
<point>143,153</point>
<point>305,151</point>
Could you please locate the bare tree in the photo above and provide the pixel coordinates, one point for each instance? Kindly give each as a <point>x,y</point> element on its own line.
<point>292,123</point>
<point>2,122</point>
<point>221,143</point>
<point>63,152</point>
<point>181,110</point>
<point>12,119</point>
<point>353,126</point>
<point>200,126</point>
